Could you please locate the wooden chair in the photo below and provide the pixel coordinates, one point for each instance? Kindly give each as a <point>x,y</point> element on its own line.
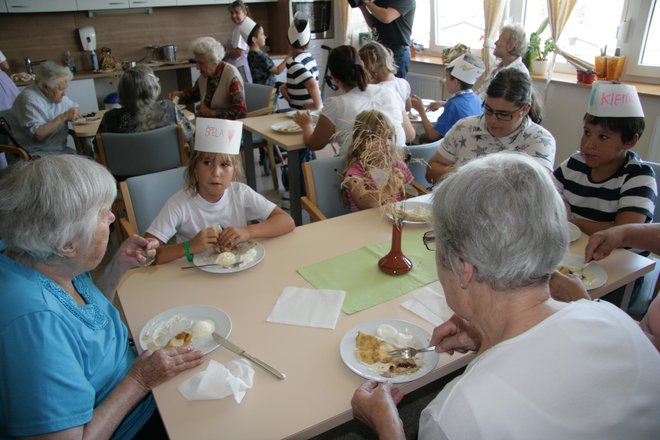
<point>135,154</point>
<point>17,152</point>
<point>260,100</point>
<point>144,196</point>
<point>323,186</point>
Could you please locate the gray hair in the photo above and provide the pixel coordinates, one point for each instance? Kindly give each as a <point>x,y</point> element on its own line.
<point>51,202</point>
<point>511,226</point>
<point>138,87</point>
<point>208,47</point>
<point>50,74</point>
<point>518,37</point>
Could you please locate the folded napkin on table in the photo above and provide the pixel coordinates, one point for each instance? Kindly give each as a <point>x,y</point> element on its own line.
<point>308,307</point>
<point>429,303</point>
<point>218,381</point>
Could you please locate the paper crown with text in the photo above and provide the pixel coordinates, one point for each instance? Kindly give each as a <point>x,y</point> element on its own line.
<point>246,28</point>
<point>301,37</point>
<point>464,71</point>
<point>614,100</point>
<point>218,135</point>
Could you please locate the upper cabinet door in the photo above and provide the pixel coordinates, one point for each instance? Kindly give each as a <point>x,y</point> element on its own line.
<point>201,2</point>
<point>150,3</point>
<point>3,6</point>
<point>97,5</point>
<point>18,6</point>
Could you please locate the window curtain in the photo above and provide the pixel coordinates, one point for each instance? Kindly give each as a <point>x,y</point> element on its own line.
<point>345,25</point>
<point>559,12</point>
<point>493,10</point>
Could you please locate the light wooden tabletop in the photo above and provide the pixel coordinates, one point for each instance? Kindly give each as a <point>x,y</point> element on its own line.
<point>316,394</point>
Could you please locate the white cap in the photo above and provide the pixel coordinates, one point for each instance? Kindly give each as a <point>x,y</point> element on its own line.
<point>246,28</point>
<point>301,37</point>
<point>218,135</point>
<point>464,71</point>
<point>611,99</point>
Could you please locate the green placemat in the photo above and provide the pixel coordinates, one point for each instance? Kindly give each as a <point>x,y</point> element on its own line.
<point>357,273</point>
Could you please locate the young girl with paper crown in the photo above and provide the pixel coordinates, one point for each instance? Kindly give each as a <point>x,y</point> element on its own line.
<point>238,46</point>
<point>375,172</point>
<point>214,210</point>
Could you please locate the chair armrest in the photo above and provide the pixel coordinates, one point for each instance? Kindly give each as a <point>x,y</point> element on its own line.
<point>315,213</point>
<point>127,227</point>
<point>260,112</point>
<point>419,187</point>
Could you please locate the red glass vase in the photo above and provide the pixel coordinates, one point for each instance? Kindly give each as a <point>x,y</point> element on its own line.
<point>395,263</point>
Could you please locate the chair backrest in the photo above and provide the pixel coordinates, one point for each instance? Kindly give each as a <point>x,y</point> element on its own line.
<point>17,153</point>
<point>4,139</point>
<point>135,154</point>
<point>144,196</point>
<point>322,183</point>
<point>420,155</point>
<point>260,99</point>
<point>656,169</point>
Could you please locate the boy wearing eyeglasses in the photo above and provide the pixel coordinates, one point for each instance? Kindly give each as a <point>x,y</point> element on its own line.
<point>605,183</point>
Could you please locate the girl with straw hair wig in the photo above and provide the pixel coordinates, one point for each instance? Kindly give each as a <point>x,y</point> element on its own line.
<point>375,173</point>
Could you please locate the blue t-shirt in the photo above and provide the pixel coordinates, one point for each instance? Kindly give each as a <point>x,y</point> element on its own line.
<point>459,106</point>
<point>59,360</point>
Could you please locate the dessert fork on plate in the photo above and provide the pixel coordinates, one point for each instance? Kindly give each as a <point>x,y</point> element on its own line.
<point>408,352</point>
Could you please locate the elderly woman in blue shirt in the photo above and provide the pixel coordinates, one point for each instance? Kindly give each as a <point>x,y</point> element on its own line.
<point>41,112</point>
<point>66,365</point>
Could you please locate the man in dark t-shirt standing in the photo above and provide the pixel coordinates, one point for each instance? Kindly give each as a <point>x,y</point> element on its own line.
<point>393,21</point>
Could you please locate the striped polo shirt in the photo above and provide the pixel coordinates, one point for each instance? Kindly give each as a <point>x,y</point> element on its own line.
<point>301,68</point>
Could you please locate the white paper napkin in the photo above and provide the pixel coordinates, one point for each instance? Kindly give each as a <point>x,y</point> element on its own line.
<point>308,307</point>
<point>429,303</point>
<point>218,381</point>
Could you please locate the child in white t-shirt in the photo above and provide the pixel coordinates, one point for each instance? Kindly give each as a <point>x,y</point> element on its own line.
<point>237,46</point>
<point>213,198</point>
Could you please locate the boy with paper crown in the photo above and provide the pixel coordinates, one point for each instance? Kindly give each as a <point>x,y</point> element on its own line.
<point>460,76</point>
<point>605,184</point>
<point>302,75</point>
<point>214,210</point>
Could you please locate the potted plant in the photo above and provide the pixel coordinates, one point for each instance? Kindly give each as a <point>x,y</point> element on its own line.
<point>536,57</point>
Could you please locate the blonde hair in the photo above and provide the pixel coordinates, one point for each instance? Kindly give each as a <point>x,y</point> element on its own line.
<point>373,147</point>
<point>198,156</point>
<point>377,59</point>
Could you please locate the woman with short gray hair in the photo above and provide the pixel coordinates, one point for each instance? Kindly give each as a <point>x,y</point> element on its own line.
<point>65,357</point>
<point>219,88</point>
<point>40,113</point>
<point>140,111</point>
<point>542,368</point>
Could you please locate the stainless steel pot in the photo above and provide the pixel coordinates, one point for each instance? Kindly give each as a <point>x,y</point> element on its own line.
<point>168,52</point>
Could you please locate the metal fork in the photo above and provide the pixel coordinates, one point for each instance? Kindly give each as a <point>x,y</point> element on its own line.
<point>238,263</point>
<point>408,352</point>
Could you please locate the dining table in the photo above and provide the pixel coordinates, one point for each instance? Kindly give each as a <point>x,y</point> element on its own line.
<point>290,141</point>
<point>316,394</point>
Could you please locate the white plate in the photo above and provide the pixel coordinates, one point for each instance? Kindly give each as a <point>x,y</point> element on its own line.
<point>412,208</point>
<point>88,120</point>
<point>315,113</point>
<point>283,127</point>
<point>422,337</point>
<point>595,275</point>
<point>195,312</point>
<point>208,257</point>
<point>574,232</point>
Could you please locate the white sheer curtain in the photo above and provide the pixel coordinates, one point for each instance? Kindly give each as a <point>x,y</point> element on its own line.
<point>559,12</point>
<point>493,10</point>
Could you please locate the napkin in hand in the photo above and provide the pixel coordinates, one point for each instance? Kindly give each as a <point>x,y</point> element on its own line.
<point>218,381</point>
<point>308,307</point>
<point>429,303</point>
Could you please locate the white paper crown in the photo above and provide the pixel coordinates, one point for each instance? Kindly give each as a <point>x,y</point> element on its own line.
<point>302,37</point>
<point>246,28</point>
<point>610,99</point>
<point>218,135</point>
<point>464,71</point>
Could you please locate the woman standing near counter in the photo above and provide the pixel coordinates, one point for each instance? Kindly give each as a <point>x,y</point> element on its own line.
<point>41,112</point>
<point>219,87</point>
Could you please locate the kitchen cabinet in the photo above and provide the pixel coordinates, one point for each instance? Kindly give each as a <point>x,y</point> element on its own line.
<point>201,2</point>
<point>3,7</point>
<point>97,5</point>
<point>24,6</point>
<point>150,3</point>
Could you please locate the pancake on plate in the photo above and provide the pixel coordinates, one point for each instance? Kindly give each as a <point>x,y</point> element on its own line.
<point>372,352</point>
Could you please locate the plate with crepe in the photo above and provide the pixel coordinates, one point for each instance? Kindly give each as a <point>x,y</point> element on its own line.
<point>364,351</point>
<point>88,118</point>
<point>592,277</point>
<point>416,213</point>
<point>192,324</point>
<point>574,232</point>
<point>229,262</point>
<point>287,127</point>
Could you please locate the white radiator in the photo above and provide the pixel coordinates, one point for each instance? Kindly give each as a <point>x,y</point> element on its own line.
<point>425,86</point>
